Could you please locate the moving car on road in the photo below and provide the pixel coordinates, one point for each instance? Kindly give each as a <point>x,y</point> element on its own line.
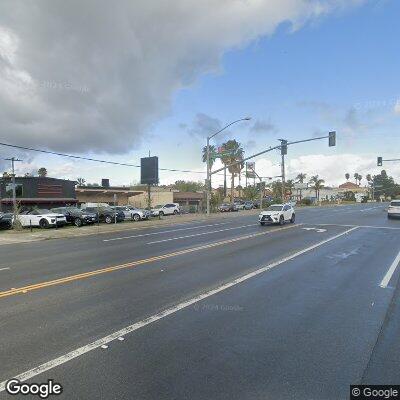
<point>106,214</point>
<point>227,207</point>
<point>394,209</point>
<point>75,216</point>
<point>165,209</point>
<point>6,220</point>
<point>42,218</point>
<point>277,214</point>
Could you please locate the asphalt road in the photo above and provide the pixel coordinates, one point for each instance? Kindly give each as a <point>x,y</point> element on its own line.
<point>223,309</point>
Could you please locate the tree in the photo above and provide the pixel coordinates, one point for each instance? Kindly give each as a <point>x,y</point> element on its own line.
<point>188,186</point>
<point>385,185</point>
<point>251,193</point>
<point>6,174</point>
<point>42,172</point>
<point>300,177</point>
<point>276,188</point>
<point>359,179</point>
<point>369,178</point>
<point>80,181</point>
<point>347,176</point>
<point>317,184</point>
<point>289,186</point>
<point>233,153</point>
<point>213,151</point>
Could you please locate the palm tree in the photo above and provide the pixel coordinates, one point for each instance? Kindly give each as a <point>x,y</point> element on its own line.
<point>347,176</point>
<point>213,150</point>
<point>300,179</point>
<point>317,184</point>
<point>359,179</point>
<point>233,153</point>
<point>356,177</point>
<point>289,186</point>
<point>369,177</point>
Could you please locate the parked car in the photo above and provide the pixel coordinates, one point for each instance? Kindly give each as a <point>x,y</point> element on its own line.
<point>106,214</point>
<point>165,209</point>
<point>6,220</point>
<point>139,213</point>
<point>126,211</point>
<point>248,205</point>
<point>227,207</point>
<point>76,216</point>
<point>42,218</point>
<point>394,209</point>
<point>277,214</point>
<point>239,204</point>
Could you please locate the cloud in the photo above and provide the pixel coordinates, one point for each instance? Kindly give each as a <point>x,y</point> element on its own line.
<point>261,126</point>
<point>204,125</point>
<point>397,107</point>
<point>95,75</point>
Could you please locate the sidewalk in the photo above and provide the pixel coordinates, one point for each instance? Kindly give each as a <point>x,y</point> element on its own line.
<point>25,235</point>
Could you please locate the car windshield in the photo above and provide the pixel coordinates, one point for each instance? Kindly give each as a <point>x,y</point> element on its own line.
<point>274,208</point>
<point>395,203</point>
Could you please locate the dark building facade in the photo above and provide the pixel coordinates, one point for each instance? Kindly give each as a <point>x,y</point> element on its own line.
<point>42,192</point>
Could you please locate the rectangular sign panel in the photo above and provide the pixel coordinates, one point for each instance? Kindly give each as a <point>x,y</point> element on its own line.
<point>149,171</point>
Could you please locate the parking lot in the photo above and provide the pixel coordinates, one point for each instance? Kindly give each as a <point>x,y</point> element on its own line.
<point>295,311</point>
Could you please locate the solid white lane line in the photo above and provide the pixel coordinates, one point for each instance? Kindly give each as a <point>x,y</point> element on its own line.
<point>201,234</point>
<point>4,269</point>
<point>168,231</point>
<point>356,226</point>
<point>172,310</point>
<point>390,272</point>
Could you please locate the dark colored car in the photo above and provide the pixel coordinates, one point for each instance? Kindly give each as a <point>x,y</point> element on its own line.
<point>75,216</point>
<point>248,205</point>
<point>6,221</point>
<point>227,207</point>
<point>104,214</point>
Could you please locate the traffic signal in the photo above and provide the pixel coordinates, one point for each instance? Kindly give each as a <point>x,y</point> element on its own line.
<point>379,161</point>
<point>332,139</point>
<point>283,147</point>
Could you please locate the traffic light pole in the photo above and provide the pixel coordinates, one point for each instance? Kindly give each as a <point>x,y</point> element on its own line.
<point>331,143</point>
<point>381,160</point>
<point>283,177</point>
<point>13,160</point>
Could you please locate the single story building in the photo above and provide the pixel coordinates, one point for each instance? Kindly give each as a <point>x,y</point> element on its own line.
<point>190,201</point>
<point>119,195</point>
<point>33,191</point>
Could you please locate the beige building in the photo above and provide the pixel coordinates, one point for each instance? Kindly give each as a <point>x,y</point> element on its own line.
<point>98,194</point>
<point>157,197</point>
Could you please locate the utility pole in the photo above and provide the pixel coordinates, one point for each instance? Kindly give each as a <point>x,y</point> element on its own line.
<point>13,160</point>
<point>283,153</point>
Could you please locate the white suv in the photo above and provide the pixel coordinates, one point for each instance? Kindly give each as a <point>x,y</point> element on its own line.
<point>277,214</point>
<point>165,209</point>
<point>394,209</point>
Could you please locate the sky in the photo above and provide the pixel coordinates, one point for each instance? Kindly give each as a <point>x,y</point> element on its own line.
<point>117,82</point>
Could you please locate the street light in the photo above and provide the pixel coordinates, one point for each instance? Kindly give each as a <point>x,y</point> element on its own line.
<point>208,183</point>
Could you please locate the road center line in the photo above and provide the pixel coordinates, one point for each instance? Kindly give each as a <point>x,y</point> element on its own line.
<point>4,269</point>
<point>168,231</point>
<point>172,310</point>
<point>201,234</point>
<point>84,275</point>
<point>354,226</point>
<point>390,272</point>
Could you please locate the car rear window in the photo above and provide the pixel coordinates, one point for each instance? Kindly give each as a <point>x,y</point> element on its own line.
<point>395,203</point>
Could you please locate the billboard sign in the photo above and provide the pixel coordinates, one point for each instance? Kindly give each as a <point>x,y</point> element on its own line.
<point>149,171</point>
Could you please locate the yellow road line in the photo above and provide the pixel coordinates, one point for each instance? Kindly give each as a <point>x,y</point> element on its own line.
<point>89,274</point>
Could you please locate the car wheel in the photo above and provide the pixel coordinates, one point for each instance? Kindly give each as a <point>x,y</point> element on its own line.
<point>281,220</point>
<point>136,217</point>
<point>161,213</point>
<point>262,223</point>
<point>175,212</point>
<point>78,222</point>
<point>293,219</point>
<point>389,216</point>
<point>44,223</point>
<point>108,219</point>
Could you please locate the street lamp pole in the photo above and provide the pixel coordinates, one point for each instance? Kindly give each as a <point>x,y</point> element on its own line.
<point>208,183</point>
<point>13,160</point>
